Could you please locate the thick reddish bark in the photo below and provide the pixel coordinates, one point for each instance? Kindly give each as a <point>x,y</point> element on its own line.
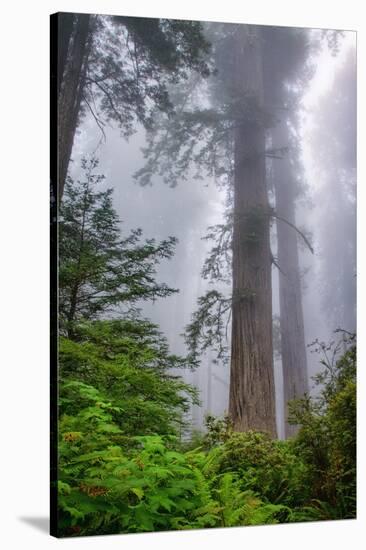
<point>252,393</point>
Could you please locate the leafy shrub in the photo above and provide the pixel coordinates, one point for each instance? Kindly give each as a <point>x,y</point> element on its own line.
<point>151,488</point>
<point>326,442</point>
<point>238,507</point>
<point>262,465</point>
<point>111,483</point>
<point>128,361</point>
<point>116,384</point>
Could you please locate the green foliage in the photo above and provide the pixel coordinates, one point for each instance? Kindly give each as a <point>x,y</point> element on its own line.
<point>208,327</point>
<point>122,465</point>
<point>327,439</point>
<point>200,135</point>
<point>191,137</point>
<point>238,507</point>
<point>112,480</point>
<point>151,488</point>
<point>132,63</point>
<point>128,361</point>
<point>218,430</point>
<point>217,265</point>
<point>313,475</point>
<point>114,386</point>
<point>262,465</point>
<point>98,269</point>
<point>177,46</point>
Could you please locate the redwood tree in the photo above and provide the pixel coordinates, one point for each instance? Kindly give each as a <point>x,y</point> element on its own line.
<point>286,75</point>
<point>226,139</point>
<point>251,396</point>
<point>293,349</point>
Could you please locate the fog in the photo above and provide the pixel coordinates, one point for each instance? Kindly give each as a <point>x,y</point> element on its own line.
<point>325,210</point>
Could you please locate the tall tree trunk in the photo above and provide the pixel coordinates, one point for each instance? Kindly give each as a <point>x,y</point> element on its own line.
<point>293,350</point>
<point>65,24</point>
<point>252,394</point>
<point>71,94</point>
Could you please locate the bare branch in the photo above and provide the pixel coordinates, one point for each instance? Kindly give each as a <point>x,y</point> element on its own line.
<point>275,263</point>
<point>306,240</point>
<point>99,122</point>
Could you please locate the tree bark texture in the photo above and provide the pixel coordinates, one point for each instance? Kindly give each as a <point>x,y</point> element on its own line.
<point>71,94</point>
<point>293,350</point>
<point>252,392</point>
<point>65,27</point>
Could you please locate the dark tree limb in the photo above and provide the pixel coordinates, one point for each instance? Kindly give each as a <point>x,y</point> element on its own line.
<point>306,240</point>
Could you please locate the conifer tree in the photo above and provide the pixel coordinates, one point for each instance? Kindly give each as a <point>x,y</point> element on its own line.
<point>99,270</point>
<point>118,69</point>
<point>227,140</point>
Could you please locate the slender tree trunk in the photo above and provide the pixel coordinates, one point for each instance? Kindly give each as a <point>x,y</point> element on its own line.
<point>71,94</point>
<point>252,394</point>
<point>293,350</point>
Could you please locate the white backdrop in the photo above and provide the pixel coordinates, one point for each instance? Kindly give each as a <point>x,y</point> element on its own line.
<point>24,285</point>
